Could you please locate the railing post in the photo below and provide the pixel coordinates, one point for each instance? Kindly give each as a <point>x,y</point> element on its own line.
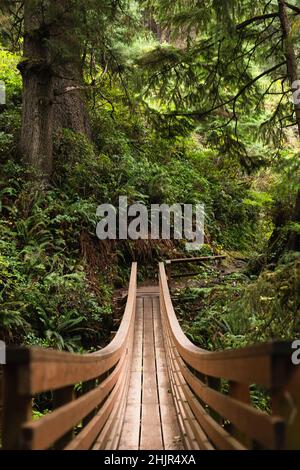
<point>240,392</point>
<point>62,397</point>
<point>286,403</point>
<point>17,408</point>
<point>87,387</point>
<point>215,384</point>
<point>169,271</point>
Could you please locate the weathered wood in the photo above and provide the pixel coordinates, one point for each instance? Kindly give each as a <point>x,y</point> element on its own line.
<point>240,392</point>
<point>51,370</point>
<point>200,260</point>
<point>195,260</point>
<point>150,420</point>
<point>86,438</point>
<point>268,365</point>
<point>254,423</point>
<point>151,435</point>
<point>286,402</point>
<point>17,408</point>
<point>130,433</point>
<point>159,391</point>
<point>34,370</point>
<point>60,398</point>
<point>213,432</point>
<point>186,421</point>
<point>172,438</point>
<point>42,433</point>
<point>87,387</point>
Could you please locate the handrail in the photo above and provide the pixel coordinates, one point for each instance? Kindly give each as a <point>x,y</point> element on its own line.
<point>169,263</point>
<point>104,376</point>
<point>210,418</point>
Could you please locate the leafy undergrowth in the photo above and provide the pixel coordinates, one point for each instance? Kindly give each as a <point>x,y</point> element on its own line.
<point>203,308</point>
<point>233,310</point>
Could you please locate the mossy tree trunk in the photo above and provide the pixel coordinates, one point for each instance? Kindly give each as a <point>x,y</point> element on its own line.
<point>52,81</point>
<point>292,70</point>
<point>276,243</point>
<point>290,54</point>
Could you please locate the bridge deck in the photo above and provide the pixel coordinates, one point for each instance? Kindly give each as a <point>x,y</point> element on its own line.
<point>150,417</point>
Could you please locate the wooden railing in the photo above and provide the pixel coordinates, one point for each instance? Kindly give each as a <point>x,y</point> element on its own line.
<point>187,261</point>
<point>212,390</point>
<point>91,420</point>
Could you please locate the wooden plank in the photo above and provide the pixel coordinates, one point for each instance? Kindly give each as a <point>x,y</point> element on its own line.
<point>253,422</point>
<point>195,438</point>
<point>130,434</point>
<point>115,436</point>
<point>63,397</point>
<point>145,291</point>
<point>185,429</point>
<point>240,392</point>
<point>17,409</point>
<point>170,427</point>
<point>215,433</point>
<point>195,260</point>
<point>86,438</point>
<point>210,430</point>
<point>41,370</point>
<point>149,393</point>
<point>107,435</point>
<point>41,434</point>
<point>151,435</point>
<point>286,403</point>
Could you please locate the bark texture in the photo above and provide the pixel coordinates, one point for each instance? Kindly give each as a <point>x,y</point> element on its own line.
<point>290,54</point>
<point>51,64</point>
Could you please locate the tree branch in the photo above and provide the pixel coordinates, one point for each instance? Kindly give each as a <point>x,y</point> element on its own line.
<point>231,100</point>
<point>257,18</point>
<point>293,7</point>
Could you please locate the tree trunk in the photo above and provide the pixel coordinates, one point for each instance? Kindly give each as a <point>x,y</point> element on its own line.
<point>294,238</point>
<point>291,63</point>
<point>52,63</point>
<point>37,106</point>
<point>290,55</point>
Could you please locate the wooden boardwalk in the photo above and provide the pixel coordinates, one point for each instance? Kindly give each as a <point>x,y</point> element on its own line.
<point>150,420</point>
<point>152,389</point>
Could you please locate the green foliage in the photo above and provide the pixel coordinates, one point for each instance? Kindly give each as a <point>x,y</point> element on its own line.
<point>272,303</point>
<point>46,297</point>
<point>238,312</point>
<point>11,79</point>
<point>206,313</point>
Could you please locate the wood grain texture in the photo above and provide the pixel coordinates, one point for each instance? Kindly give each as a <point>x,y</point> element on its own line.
<point>150,421</point>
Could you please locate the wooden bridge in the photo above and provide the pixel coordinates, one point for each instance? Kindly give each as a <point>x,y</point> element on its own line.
<point>151,388</point>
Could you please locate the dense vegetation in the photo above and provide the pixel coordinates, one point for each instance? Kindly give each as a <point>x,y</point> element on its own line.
<point>162,102</point>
